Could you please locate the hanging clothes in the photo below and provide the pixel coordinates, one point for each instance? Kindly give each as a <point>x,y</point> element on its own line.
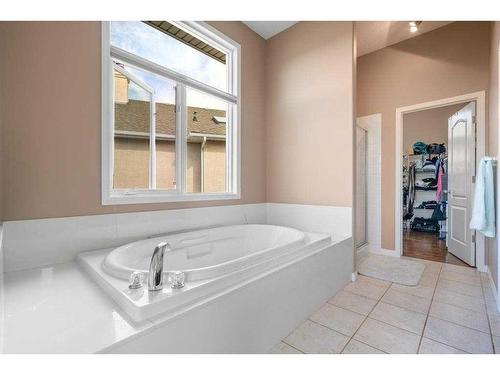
<point>439,178</point>
<point>410,193</point>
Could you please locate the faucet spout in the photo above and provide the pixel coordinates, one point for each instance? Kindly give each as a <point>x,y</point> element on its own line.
<point>155,277</point>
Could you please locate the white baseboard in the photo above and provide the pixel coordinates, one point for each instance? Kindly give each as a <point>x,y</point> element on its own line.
<point>483,268</point>
<point>362,250</point>
<point>354,276</point>
<point>373,249</point>
<point>381,251</point>
<point>493,287</point>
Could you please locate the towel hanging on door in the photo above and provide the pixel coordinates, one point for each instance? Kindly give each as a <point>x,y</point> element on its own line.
<point>483,210</point>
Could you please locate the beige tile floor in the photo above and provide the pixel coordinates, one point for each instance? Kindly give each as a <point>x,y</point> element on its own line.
<point>452,310</point>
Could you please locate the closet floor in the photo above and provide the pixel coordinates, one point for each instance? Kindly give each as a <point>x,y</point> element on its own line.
<point>427,246</point>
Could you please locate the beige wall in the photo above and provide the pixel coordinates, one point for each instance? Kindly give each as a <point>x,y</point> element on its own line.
<point>309,114</point>
<point>51,104</point>
<point>449,61</point>
<point>214,166</point>
<point>493,116</point>
<point>165,164</point>
<point>131,163</point>
<point>430,126</point>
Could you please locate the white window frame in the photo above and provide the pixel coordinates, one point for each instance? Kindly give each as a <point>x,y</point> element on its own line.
<point>210,35</point>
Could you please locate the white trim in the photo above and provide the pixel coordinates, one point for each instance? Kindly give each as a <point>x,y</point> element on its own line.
<point>354,276</point>
<point>142,63</point>
<point>107,114</point>
<point>160,196</point>
<point>143,135</point>
<point>362,250</point>
<point>387,252</point>
<point>232,97</point>
<point>493,288</point>
<point>180,147</point>
<point>480,98</point>
<point>210,137</point>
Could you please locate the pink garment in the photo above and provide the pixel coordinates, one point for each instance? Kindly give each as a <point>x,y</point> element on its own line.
<point>439,183</point>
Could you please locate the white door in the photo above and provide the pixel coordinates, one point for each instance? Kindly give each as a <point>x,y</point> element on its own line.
<point>461,171</point>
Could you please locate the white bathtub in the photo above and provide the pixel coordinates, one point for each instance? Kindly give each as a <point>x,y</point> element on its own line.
<point>209,253</point>
<point>215,261</point>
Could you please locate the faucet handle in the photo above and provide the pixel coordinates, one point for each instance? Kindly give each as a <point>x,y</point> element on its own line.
<point>177,279</point>
<point>136,280</point>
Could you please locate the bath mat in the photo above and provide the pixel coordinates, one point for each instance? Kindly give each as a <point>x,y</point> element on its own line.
<point>396,270</point>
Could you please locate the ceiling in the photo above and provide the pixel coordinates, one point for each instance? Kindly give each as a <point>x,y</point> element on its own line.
<point>268,29</point>
<point>370,35</point>
<point>375,35</point>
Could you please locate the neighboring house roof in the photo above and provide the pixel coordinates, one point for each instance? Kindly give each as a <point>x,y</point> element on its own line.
<point>133,116</point>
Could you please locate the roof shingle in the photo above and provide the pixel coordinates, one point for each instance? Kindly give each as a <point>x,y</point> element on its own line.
<point>134,116</point>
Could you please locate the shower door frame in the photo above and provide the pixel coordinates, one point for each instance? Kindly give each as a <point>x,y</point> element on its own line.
<point>359,245</point>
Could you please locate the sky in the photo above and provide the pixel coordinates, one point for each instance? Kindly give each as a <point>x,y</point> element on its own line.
<point>138,38</point>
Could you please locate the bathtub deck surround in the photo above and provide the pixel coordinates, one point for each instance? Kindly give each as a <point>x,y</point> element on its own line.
<point>43,315</point>
<point>212,261</point>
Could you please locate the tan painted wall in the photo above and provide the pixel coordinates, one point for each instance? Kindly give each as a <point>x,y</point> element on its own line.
<point>132,165</point>
<point>52,100</point>
<point>429,126</point>
<point>309,114</point>
<point>494,123</point>
<point>449,61</point>
<point>214,166</point>
<point>165,165</point>
<point>131,160</point>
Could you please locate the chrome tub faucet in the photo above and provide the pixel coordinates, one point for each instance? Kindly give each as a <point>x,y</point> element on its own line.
<point>155,277</point>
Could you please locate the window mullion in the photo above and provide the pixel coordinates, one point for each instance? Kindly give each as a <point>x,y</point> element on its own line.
<point>229,147</point>
<point>152,144</point>
<point>181,138</point>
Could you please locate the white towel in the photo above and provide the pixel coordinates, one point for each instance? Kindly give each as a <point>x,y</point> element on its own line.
<point>483,211</point>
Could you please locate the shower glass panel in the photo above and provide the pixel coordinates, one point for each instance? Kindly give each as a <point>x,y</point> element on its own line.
<point>361,186</point>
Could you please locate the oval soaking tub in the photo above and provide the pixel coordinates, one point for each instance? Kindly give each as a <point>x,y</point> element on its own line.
<point>208,253</point>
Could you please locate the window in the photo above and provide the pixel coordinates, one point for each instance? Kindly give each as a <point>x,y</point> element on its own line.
<point>170,120</point>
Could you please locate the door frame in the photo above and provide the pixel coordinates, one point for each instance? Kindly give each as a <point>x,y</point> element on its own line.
<point>480,98</point>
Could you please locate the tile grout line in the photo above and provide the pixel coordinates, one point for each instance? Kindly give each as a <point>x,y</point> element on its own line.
<point>465,308</point>
<point>350,337</point>
<point>429,309</point>
<point>364,320</point>
<point>454,291</point>
<point>292,347</point>
<point>427,314</point>
<point>371,317</point>
<point>418,312</point>
<point>364,343</point>
<point>445,343</point>
<point>340,307</point>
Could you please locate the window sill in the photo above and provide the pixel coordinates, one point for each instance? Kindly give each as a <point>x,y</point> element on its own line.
<point>122,198</point>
